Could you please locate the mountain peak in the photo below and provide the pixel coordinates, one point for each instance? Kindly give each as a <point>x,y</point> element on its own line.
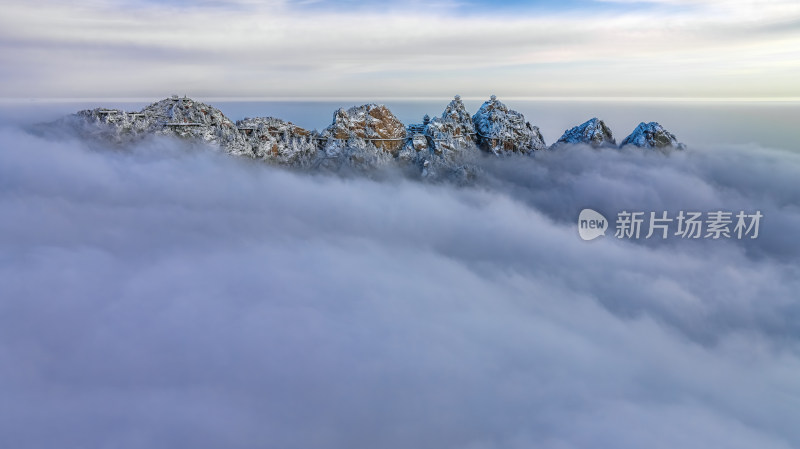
<point>652,135</point>
<point>503,131</point>
<point>592,132</point>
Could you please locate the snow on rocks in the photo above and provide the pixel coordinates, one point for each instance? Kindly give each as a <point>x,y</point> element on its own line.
<point>278,141</point>
<point>502,131</point>
<point>372,123</point>
<point>593,132</point>
<point>100,124</point>
<point>453,134</point>
<point>179,117</point>
<point>361,138</point>
<point>189,119</point>
<point>652,135</point>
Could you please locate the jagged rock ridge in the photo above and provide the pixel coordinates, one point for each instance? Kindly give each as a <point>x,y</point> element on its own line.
<point>361,137</point>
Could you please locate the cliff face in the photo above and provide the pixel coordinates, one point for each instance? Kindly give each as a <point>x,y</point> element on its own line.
<point>503,131</point>
<point>593,132</point>
<point>652,135</point>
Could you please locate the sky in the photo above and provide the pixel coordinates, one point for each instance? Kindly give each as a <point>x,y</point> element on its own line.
<point>168,295</point>
<point>285,49</point>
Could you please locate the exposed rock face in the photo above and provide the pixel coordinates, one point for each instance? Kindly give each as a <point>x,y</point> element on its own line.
<point>372,123</point>
<point>279,142</point>
<point>652,135</point>
<point>502,131</point>
<point>593,132</point>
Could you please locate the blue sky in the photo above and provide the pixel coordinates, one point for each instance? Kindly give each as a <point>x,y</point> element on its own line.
<point>658,48</point>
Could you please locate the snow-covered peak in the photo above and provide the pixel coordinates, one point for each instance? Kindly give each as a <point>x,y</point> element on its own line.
<point>501,130</point>
<point>593,132</point>
<point>187,118</point>
<point>374,123</point>
<point>457,113</point>
<point>652,135</point>
<point>455,123</point>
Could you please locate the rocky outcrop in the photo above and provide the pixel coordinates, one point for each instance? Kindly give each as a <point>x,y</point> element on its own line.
<point>372,123</point>
<point>443,148</point>
<point>189,119</point>
<point>652,135</point>
<point>452,134</point>
<point>279,142</point>
<point>361,138</point>
<point>504,131</point>
<point>593,132</point>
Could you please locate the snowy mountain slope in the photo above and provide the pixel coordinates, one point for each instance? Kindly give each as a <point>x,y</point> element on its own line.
<point>652,135</point>
<point>503,131</point>
<point>593,132</point>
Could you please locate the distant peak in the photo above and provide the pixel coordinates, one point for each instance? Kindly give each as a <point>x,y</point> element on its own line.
<point>652,135</point>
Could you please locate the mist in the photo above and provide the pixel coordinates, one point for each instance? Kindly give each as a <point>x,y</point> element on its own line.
<point>170,295</point>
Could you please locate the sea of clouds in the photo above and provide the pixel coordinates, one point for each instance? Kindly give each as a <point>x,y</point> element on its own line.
<point>172,296</point>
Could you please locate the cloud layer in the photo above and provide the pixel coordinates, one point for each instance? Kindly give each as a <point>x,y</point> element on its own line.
<point>174,297</point>
<point>663,48</point>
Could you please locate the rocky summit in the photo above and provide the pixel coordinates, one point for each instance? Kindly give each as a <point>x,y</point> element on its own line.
<point>452,134</point>
<point>186,118</point>
<point>652,135</point>
<point>361,137</point>
<point>502,131</point>
<point>592,132</point>
<point>371,123</point>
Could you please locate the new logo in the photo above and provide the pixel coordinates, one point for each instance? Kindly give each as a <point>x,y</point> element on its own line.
<point>591,224</point>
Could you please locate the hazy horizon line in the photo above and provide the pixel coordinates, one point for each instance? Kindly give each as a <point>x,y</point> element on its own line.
<point>11,100</point>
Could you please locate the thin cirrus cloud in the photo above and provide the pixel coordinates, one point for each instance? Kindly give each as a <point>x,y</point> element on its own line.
<point>664,48</point>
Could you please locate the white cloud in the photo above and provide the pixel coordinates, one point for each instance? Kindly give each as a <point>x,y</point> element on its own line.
<point>103,49</point>
<point>173,297</point>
